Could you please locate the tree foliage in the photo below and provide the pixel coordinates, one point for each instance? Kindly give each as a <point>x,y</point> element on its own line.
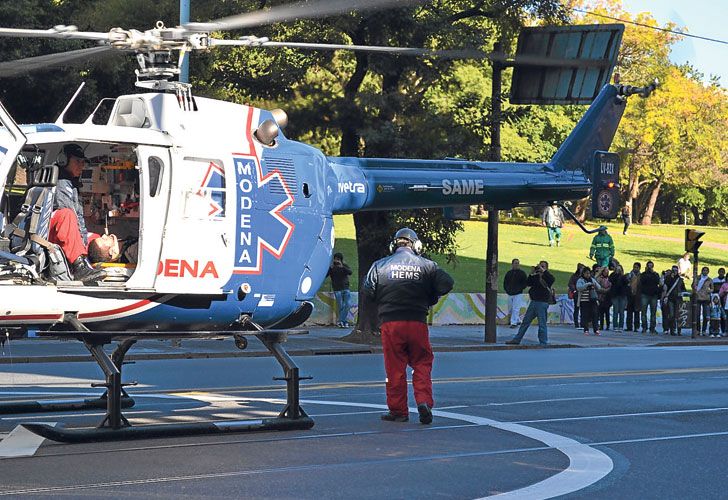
<point>673,145</point>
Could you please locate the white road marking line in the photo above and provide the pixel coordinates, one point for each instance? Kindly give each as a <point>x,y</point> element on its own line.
<point>314,466</point>
<point>21,443</point>
<point>596,382</point>
<point>342,414</point>
<point>75,415</point>
<point>619,415</point>
<point>587,465</point>
<point>537,401</point>
<point>659,438</point>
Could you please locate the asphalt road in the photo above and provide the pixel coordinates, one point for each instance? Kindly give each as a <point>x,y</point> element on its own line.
<point>640,422</point>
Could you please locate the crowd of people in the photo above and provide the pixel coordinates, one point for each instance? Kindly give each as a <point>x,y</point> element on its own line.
<point>606,298</point>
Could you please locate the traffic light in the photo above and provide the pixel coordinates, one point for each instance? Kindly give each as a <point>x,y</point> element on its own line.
<point>692,238</point>
<point>605,185</point>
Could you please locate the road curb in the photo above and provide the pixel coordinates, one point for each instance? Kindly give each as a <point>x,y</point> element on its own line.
<point>340,351</point>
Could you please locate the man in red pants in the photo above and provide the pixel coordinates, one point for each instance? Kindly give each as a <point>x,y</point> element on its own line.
<point>65,232</point>
<point>404,286</point>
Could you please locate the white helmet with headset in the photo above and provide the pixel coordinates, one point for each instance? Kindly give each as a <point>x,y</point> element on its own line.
<point>67,152</point>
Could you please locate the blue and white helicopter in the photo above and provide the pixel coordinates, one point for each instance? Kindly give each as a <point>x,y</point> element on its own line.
<point>233,219</point>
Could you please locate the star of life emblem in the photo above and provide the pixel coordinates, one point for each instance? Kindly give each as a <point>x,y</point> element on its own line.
<point>261,224</point>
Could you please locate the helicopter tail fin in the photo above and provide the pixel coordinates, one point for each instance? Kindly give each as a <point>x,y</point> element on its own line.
<point>594,132</point>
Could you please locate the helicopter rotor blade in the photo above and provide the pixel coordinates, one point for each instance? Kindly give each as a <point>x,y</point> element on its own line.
<point>407,51</point>
<point>21,66</point>
<point>65,32</point>
<point>521,60</point>
<point>302,10</point>
<point>27,65</point>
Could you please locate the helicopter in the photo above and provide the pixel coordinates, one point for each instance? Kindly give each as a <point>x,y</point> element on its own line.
<point>234,220</point>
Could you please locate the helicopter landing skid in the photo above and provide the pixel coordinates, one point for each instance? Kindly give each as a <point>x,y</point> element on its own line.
<point>117,357</point>
<point>115,426</point>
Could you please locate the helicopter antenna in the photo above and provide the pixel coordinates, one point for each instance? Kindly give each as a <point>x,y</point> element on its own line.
<point>59,120</point>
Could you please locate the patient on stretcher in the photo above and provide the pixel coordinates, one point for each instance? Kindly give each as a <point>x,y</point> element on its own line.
<point>109,248</point>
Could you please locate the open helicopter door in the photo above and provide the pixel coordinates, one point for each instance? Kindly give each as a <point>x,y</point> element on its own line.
<point>12,141</point>
<point>155,174</point>
<point>198,245</point>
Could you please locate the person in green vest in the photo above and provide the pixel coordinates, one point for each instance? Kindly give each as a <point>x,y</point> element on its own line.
<point>602,248</point>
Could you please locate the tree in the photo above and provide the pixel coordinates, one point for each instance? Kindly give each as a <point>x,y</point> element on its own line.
<point>391,111</point>
<point>40,96</point>
<point>643,56</point>
<point>676,138</point>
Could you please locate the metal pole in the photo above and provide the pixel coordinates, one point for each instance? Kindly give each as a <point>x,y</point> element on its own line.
<point>491,253</point>
<point>693,297</point>
<point>184,18</point>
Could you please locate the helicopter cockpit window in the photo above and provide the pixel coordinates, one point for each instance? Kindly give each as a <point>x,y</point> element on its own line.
<point>156,169</point>
<point>130,112</point>
<point>102,113</point>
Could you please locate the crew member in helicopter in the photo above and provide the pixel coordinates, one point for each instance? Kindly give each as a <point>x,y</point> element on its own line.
<point>404,286</point>
<point>67,225</point>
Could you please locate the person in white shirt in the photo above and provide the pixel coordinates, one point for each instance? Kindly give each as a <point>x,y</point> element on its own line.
<point>685,267</point>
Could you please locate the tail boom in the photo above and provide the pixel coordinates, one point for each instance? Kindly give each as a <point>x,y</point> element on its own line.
<point>381,184</point>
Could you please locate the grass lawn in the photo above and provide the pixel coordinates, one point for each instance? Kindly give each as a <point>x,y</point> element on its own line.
<point>530,244</point>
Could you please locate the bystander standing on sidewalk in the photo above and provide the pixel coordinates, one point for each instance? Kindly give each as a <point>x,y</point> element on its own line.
<point>703,290</point>
<point>650,291</point>
<point>685,267</point>
<point>587,289</point>
<point>514,283</point>
<point>339,272</point>
<point>573,294</point>
<point>717,316</point>
<point>604,299</point>
<point>717,284</point>
<point>540,282</point>
<point>634,298</point>
<point>673,288</point>
<point>719,280</point>
<point>723,294</point>
<point>664,308</point>
<point>619,293</point>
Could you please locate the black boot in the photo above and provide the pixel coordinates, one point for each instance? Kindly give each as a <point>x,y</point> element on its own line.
<point>82,271</point>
